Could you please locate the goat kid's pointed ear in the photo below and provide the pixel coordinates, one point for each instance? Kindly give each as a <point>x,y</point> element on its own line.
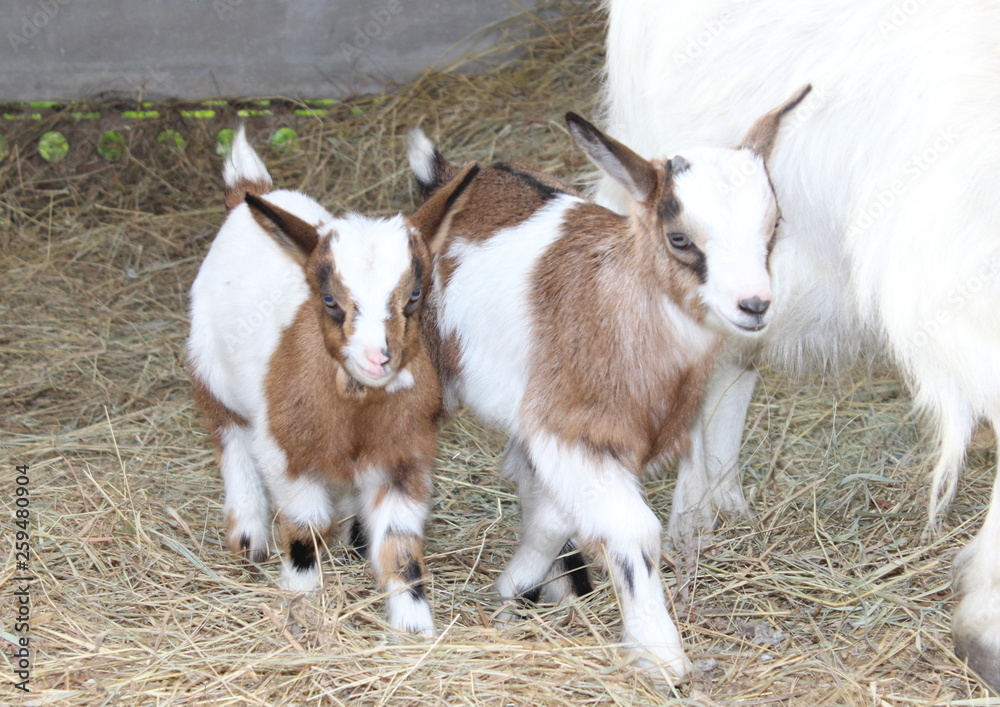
<point>763,133</point>
<point>633,172</point>
<point>432,218</point>
<point>293,234</point>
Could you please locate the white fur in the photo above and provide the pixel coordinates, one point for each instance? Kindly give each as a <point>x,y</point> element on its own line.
<point>243,162</point>
<point>370,255</point>
<point>727,199</point>
<point>246,293</point>
<point>887,178</point>
<point>420,151</point>
<point>493,276</point>
<point>246,503</point>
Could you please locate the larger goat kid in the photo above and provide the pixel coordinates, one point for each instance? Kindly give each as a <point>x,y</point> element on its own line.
<point>585,335</point>
<point>888,184</point>
<point>312,374</point>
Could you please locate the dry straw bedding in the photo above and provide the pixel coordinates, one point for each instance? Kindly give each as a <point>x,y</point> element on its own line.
<point>826,596</point>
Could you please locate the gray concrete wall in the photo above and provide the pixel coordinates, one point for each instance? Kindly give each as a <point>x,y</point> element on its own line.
<point>66,49</point>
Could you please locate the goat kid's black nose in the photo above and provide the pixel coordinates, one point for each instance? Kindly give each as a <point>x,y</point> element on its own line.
<point>754,305</point>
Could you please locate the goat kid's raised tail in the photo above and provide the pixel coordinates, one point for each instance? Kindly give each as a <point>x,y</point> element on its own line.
<point>429,166</point>
<point>244,172</point>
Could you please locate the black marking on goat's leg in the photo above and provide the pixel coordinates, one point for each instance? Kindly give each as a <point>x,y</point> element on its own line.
<point>628,577</point>
<point>302,554</point>
<point>576,569</point>
<point>648,561</point>
<point>244,542</point>
<point>530,595</point>
<point>359,539</point>
<point>414,577</point>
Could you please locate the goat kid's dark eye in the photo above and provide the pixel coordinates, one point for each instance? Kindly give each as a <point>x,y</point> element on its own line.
<point>329,301</point>
<point>679,240</point>
<point>415,295</point>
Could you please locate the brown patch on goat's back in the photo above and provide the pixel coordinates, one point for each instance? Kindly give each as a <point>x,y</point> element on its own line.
<point>334,437</point>
<point>512,192</point>
<point>609,367</point>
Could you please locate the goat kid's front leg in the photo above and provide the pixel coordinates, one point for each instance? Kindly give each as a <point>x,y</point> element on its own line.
<point>305,514</point>
<point>393,506</point>
<point>607,506</point>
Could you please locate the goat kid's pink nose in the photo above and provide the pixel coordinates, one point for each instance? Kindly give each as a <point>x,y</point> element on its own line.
<point>376,357</point>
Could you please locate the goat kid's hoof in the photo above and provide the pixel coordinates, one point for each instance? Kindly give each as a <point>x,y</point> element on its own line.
<point>411,616</point>
<point>248,540</point>
<point>672,670</point>
<point>300,581</point>
<point>977,641</point>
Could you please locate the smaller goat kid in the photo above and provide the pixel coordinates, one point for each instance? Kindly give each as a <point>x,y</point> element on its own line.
<point>312,374</point>
<point>589,336</point>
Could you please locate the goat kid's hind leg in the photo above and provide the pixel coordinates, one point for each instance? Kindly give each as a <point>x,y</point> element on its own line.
<point>393,506</point>
<point>608,507</point>
<point>534,571</point>
<point>246,504</point>
<point>976,623</point>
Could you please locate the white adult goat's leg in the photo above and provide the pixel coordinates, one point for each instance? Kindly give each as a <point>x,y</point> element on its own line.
<point>246,505</point>
<point>724,435</point>
<point>708,477</point>
<point>545,531</point>
<point>975,624</point>
<point>393,511</point>
<point>607,504</point>
<point>691,511</point>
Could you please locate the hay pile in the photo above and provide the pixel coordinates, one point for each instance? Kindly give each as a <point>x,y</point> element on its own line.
<point>826,597</point>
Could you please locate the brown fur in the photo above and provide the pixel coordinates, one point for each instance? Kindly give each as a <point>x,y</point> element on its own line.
<point>401,556</point>
<point>237,194</point>
<point>336,437</point>
<point>608,370</point>
<point>762,134</point>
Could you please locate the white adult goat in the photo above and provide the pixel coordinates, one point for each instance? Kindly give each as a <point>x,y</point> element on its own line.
<point>887,180</point>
